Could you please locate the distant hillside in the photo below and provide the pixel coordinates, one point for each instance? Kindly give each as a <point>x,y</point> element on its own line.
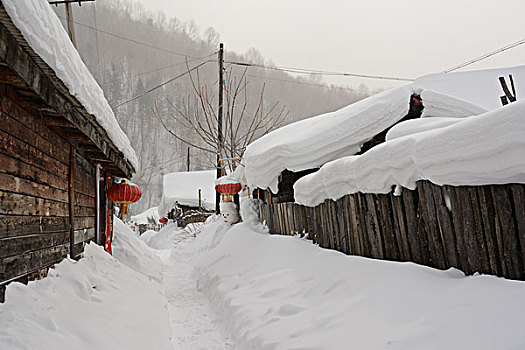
<point>125,69</point>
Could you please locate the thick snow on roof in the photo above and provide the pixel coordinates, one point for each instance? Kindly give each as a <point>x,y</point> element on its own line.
<point>479,87</point>
<point>43,31</point>
<point>479,150</point>
<point>184,188</point>
<point>312,142</point>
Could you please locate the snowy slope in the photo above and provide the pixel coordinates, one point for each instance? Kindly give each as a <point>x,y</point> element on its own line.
<point>479,150</point>
<point>280,292</point>
<point>43,31</point>
<point>184,188</point>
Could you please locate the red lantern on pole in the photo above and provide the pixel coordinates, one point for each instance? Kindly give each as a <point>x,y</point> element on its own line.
<point>124,193</point>
<point>227,187</point>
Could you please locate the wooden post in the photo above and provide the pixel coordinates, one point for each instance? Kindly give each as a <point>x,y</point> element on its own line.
<point>200,200</point>
<point>70,25</point>
<point>219,126</point>
<point>188,160</point>
<point>71,190</point>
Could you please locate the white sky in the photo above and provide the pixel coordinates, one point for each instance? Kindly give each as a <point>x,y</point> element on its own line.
<point>405,38</point>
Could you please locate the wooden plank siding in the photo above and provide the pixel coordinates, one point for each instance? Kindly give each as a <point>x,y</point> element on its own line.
<point>34,215</point>
<point>475,229</point>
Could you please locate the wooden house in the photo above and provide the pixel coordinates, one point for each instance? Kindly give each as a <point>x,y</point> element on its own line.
<point>53,156</point>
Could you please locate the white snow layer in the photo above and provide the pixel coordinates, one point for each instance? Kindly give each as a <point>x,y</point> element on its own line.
<point>43,31</point>
<point>479,150</point>
<point>99,302</point>
<point>184,188</point>
<point>280,292</point>
<point>151,214</point>
<point>479,87</point>
<point>312,142</point>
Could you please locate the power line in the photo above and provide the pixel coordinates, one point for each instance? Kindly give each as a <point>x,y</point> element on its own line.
<point>319,72</point>
<point>312,84</point>
<point>160,85</point>
<point>129,39</point>
<point>156,69</point>
<point>485,56</point>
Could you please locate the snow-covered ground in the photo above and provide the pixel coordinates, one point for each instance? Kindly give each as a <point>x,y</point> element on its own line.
<point>217,286</point>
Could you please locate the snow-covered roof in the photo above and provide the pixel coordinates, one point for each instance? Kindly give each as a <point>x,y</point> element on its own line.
<point>479,87</point>
<point>478,150</point>
<point>43,31</point>
<point>312,142</point>
<point>184,188</point>
<point>144,217</point>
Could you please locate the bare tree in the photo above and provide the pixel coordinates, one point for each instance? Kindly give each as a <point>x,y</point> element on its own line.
<point>243,121</point>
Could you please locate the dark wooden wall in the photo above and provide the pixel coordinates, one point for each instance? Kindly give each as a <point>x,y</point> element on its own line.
<point>34,198</point>
<point>475,229</point>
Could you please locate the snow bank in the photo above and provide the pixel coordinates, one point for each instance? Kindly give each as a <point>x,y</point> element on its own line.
<point>480,150</point>
<point>312,142</point>
<point>134,253</point>
<point>184,188</point>
<point>278,292</point>
<point>95,303</point>
<point>43,31</point>
<point>168,237</point>
<point>144,217</point>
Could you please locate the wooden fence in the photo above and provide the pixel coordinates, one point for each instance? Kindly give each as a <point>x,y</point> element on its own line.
<point>475,229</point>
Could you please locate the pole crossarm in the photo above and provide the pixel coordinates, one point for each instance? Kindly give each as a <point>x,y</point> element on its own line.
<point>69,2</point>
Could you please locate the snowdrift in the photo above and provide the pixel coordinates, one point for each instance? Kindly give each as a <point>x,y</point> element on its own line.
<point>99,302</point>
<point>280,292</point>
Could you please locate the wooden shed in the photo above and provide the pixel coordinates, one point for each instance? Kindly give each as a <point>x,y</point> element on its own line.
<point>51,150</point>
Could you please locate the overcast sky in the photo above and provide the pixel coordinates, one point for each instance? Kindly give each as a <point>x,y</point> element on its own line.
<point>405,38</point>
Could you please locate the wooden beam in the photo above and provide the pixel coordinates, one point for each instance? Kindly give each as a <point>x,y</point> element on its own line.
<point>71,188</point>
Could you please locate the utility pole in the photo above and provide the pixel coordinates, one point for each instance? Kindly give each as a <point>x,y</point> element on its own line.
<point>219,126</point>
<point>70,25</point>
<point>69,15</point>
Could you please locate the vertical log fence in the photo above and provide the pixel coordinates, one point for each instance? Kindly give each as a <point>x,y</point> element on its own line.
<point>472,228</point>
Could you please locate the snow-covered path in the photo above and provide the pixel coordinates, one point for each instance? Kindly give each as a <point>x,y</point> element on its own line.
<point>193,324</point>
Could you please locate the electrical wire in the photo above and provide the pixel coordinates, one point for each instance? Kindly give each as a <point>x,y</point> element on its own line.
<point>160,85</point>
<point>313,84</point>
<point>485,56</point>
<point>129,39</point>
<point>157,69</point>
<point>319,72</point>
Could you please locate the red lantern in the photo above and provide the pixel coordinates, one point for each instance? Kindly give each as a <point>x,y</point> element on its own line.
<point>228,188</point>
<point>124,193</point>
<point>163,220</point>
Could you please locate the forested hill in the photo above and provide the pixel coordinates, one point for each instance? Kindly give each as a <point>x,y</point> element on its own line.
<point>130,50</point>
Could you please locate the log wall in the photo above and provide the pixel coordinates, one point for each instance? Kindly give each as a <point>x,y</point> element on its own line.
<point>475,229</point>
<point>35,225</point>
